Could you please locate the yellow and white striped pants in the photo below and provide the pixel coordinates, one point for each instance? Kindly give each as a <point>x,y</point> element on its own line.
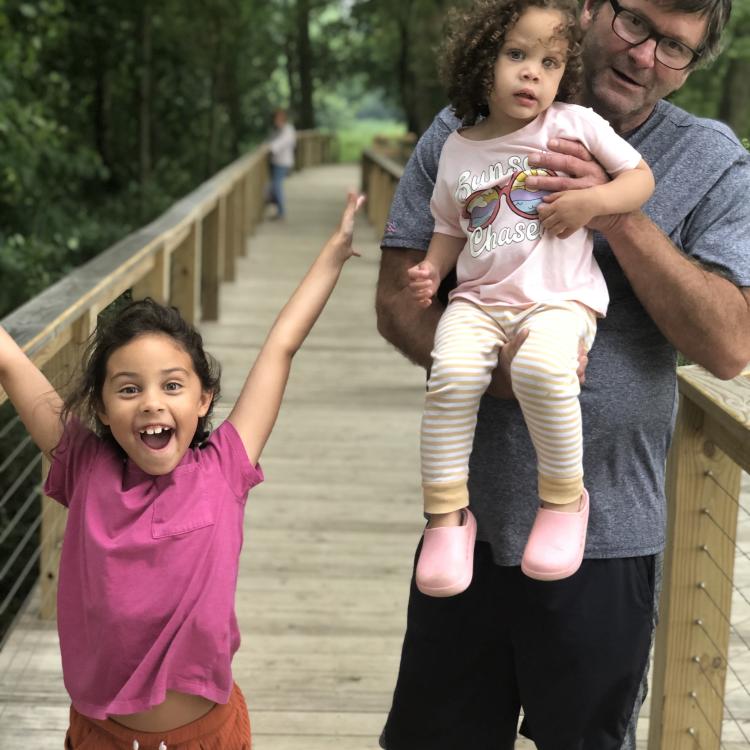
<point>543,373</point>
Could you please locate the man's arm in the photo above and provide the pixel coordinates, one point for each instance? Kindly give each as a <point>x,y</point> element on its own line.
<point>401,322</point>
<point>704,315</point>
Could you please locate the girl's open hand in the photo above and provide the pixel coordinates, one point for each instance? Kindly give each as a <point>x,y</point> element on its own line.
<point>423,282</point>
<point>344,234</point>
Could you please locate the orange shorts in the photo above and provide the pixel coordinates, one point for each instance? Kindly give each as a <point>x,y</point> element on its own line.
<point>224,727</point>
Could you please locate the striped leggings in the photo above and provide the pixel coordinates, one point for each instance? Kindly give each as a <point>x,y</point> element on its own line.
<point>543,374</point>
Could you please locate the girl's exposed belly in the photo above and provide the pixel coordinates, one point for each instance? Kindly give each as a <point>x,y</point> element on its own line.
<point>177,710</point>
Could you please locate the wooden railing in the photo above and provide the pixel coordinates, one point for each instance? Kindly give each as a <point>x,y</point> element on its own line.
<point>180,258</point>
<point>711,447</point>
<point>380,176</point>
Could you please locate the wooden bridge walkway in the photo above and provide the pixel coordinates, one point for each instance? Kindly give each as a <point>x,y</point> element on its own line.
<point>330,534</point>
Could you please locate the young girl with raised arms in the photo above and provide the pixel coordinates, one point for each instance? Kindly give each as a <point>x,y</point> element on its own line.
<point>512,67</point>
<point>149,563</point>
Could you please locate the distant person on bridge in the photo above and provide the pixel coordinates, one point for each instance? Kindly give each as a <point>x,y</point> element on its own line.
<point>573,653</point>
<point>282,144</point>
<point>149,565</point>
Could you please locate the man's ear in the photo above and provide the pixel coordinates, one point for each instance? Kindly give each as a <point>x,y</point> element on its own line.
<point>586,17</point>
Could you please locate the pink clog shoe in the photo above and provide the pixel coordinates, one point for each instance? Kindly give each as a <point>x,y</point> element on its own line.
<point>446,561</point>
<point>556,542</point>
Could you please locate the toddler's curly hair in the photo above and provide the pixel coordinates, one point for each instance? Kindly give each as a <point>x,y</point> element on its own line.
<point>473,41</point>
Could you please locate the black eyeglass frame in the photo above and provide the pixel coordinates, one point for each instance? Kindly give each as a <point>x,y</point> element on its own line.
<point>617,8</point>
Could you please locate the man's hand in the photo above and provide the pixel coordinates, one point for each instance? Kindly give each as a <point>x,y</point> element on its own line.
<point>500,385</point>
<point>570,157</point>
<point>424,281</point>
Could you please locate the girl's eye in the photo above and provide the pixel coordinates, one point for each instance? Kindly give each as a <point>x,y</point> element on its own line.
<point>128,390</point>
<point>515,54</point>
<point>173,386</point>
<point>550,62</point>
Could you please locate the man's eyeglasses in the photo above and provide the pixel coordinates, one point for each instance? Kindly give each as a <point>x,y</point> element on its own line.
<point>635,30</point>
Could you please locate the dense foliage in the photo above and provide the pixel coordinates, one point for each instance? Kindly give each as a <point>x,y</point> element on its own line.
<point>110,111</point>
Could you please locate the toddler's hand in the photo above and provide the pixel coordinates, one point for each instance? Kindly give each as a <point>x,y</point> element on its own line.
<point>562,214</point>
<point>423,282</point>
<point>343,236</point>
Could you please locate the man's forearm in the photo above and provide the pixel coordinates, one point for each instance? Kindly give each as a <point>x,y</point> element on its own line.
<point>704,315</point>
<point>401,322</point>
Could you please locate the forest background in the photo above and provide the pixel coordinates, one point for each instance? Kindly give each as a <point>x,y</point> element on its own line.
<point>110,111</point>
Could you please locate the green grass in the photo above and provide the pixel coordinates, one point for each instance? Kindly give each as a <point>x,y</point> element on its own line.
<point>357,136</point>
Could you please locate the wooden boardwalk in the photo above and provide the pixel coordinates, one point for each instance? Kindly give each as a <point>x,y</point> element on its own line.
<point>329,535</point>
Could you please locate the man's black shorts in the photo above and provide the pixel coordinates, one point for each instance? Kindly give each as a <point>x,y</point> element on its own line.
<point>571,653</point>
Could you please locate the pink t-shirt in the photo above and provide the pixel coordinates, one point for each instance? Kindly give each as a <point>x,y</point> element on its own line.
<point>480,195</point>
<point>148,571</point>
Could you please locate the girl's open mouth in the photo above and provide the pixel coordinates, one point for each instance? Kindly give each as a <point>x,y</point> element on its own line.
<point>156,438</point>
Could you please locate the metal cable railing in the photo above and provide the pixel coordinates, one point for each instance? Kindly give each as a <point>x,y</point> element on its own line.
<point>734,730</point>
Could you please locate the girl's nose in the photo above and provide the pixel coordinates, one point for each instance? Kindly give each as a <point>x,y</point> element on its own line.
<point>530,73</point>
<point>152,401</point>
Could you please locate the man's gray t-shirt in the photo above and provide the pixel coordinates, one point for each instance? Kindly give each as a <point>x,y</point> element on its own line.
<point>629,399</point>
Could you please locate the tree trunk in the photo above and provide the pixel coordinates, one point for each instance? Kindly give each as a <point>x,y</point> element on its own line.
<point>291,75</point>
<point>101,115</point>
<point>144,100</point>
<point>403,62</point>
<point>306,112</point>
<point>735,103</point>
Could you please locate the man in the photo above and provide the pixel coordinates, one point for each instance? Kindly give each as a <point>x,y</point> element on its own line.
<point>573,653</point>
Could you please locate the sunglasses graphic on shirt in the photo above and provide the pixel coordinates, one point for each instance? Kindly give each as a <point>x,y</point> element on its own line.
<point>482,206</point>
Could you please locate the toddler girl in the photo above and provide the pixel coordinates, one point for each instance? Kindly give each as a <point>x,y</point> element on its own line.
<point>149,565</point>
<point>513,63</point>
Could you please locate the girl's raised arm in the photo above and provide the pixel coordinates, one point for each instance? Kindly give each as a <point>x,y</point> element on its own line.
<point>257,407</point>
<point>34,398</point>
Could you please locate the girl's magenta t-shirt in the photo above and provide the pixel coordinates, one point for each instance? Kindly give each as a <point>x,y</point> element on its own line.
<point>148,571</point>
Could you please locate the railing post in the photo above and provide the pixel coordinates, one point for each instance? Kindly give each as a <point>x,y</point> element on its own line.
<point>60,371</point>
<point>156,283</point>
<point>230,240</point>
<point>693,634</point>
<point>186,276</point>
<point>212,255</point>
<point>242,223</point>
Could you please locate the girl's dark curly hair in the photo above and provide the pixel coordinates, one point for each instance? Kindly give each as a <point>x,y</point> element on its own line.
<point>136,319</point>
<point>473,41</point>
